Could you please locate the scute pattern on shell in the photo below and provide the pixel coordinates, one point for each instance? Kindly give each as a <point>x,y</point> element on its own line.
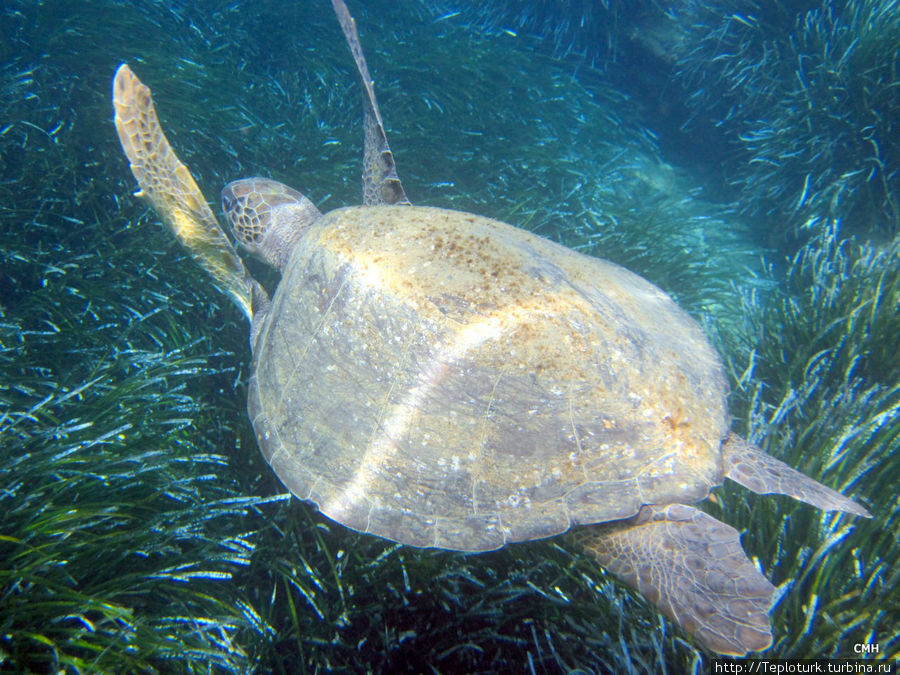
<point>442,379</point>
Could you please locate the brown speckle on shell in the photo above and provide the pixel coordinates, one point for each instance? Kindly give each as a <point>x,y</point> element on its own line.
<point>442,379</point>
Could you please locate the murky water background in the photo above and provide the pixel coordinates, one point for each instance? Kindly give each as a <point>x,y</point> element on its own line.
<point>140,529</point>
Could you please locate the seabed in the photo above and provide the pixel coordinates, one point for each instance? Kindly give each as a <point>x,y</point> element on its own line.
<point>744,160</point>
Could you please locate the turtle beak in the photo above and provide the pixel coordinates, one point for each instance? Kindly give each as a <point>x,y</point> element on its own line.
<point>229,201</point>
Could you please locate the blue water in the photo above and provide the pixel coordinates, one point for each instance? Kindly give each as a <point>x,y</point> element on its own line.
<point>686,155</point>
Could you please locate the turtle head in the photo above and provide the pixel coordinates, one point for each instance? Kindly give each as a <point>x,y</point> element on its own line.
<point>268,217</point>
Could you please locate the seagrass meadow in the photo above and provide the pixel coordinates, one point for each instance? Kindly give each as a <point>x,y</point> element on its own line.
<point>793,103</point>
<point>141,530</point>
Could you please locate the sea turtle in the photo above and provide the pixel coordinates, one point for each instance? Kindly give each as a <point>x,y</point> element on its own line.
<point>446,380</point>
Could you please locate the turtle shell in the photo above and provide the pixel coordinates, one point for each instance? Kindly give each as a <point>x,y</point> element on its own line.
<point>442,379</point>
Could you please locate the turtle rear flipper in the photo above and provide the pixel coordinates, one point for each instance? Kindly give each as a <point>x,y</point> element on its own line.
<point>756,470</point>
<point>172,191</point>
<point>381,184</point>
<point>692,567</point>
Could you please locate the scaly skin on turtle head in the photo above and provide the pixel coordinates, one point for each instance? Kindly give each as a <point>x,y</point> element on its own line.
<point>267,217</point>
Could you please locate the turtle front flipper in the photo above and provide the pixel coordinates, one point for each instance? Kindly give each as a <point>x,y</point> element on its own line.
<point>749,466</point>
<point>170,188</point>
<point>381,184</point>
<point>692,567</point>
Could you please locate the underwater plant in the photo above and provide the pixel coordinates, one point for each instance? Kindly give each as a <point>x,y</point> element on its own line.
<point>188,557</point>
<point>808,97</point>
<point>817,372</point>
<point>794,103</point>
<point>131,537</point>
